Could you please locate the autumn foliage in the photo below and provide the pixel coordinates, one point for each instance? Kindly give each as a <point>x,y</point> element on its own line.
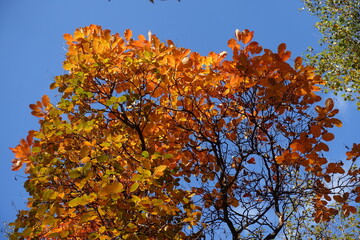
<point>153,141</point>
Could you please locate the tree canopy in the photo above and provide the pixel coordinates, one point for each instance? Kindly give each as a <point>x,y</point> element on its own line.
<point>340,227</point>
<point>154,141</point>
<point>339,58</point>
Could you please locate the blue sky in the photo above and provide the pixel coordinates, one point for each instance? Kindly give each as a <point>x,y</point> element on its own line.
<point>32,50</point>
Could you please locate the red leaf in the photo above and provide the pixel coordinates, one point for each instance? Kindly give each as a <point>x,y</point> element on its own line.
<point>251,161</point>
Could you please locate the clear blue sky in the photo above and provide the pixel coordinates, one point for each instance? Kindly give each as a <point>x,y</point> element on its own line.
<point>32,50</point>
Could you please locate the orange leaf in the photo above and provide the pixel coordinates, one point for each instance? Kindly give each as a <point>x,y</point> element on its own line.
<point>16,164</point>
<point>234,202</point>
<point>319,109</point>
<point>321,147</point>
<point>315,130</point>
<point>329,104</point>
<point>298,63</point>
<point>281,48</point>
<point>45,100</point>
<point>253,48</point>
<point>335,168</point>
<point>128,34</point>
<point>327,197</point>
<point>336,122</point>
<point>338,198</point>
<point>285,56</point>
<point>34,107</point>
<point>68,37</point>
<point>247,36</point>
<point>328,136</point>
<point>37,114</point>
<point>352,209</point>
<point>327,178</point>
<point>233,44</point>
<point>280,159</point>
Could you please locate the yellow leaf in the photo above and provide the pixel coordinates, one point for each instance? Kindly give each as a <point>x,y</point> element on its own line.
<point>85,160</point>
<point>104,237</point>
<point>159,170</point>
<point>134,187</point>
<point>115,187</point>
<point>102,229</point>
<point>88,217</point>
<point>76,201</point>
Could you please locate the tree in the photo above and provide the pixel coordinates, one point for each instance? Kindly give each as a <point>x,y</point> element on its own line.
<point>340,227</point>
<point>339,61</point>
<point>153,141</point>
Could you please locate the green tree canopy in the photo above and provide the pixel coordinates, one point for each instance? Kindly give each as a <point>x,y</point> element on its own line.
<point>339,59</point>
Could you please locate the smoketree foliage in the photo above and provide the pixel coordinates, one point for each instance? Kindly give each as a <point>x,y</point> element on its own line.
<point>339,61</point>
<point>153,141</point>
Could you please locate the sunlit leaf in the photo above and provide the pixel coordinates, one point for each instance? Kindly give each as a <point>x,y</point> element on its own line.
<point>134,187</point>
<point>45,100</point>
<point>159,170</point>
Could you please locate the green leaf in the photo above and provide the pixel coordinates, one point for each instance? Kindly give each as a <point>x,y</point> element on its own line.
<point>118,167</point>
<point>48,220</point>
<point>102,158</point>
<point>75,173</point>
<point>64,234</point>
<point>35,149</point>
<point>75,202</point>
<point>49,194</point>
<point>88,217</point>
<point>145,154</point>
<point>105,144</point>
<point>167,155</point>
